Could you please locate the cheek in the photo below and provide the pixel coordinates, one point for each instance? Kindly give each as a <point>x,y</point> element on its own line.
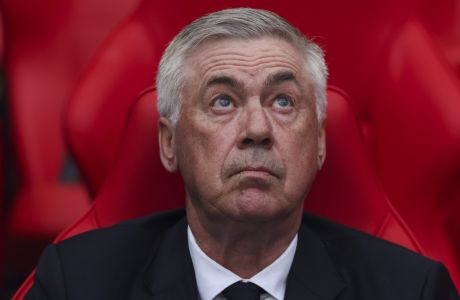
<point>299,154</point>
<point>201,168</point>
<point>202,150</point>
<point>301,157</point>
<point>213,145</point>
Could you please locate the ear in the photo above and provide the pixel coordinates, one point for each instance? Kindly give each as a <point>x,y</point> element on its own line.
<point>167,145</point>
<point>321,143</point>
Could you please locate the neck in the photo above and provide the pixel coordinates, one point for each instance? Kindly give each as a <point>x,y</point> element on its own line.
<point>243,247</point>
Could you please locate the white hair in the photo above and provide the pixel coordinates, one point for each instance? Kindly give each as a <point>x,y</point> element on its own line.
<point>240,23</point>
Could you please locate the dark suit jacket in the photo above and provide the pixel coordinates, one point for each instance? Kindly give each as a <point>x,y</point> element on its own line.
<point>148,258</point>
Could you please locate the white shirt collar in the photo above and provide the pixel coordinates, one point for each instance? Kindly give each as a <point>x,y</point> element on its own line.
<point>212,278</point>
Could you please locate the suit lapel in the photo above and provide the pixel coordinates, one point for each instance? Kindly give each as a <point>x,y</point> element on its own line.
<point>170,274</point>
<point>313,275</point>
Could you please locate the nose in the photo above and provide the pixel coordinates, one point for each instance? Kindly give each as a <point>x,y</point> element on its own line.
<point>256,129</point>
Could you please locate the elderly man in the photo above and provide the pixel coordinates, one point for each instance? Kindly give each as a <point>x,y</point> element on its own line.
<point>242,99</point>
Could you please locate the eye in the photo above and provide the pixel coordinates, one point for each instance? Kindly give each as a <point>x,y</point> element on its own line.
<point>222,101</point>
<point>282,101</point>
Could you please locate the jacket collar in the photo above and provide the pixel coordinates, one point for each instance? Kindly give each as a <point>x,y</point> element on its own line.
<point>313,274</point>
<point>170,274</point>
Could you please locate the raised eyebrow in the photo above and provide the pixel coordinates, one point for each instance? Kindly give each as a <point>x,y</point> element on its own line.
<point>223,80</point>
<point>280,77</point>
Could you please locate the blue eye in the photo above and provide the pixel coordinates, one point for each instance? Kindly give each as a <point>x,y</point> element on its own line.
<point>222,102</point>
<point>282,101</point>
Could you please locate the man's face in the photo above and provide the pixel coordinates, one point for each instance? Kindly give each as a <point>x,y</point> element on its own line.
<point>247,142</point>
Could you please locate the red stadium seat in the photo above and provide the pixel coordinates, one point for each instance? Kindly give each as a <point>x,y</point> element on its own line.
<point>119,71</point>
<point>443,20</point>
<point>347,189</point>
<point>37,74</point>
<point>414,131</point>
<point>138,184</point>
<point>47,45</point>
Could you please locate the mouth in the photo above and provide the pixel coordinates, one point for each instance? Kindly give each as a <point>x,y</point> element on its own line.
<point>258,171</point>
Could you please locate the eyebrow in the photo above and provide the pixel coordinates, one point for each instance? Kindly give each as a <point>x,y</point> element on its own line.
<point>280,77</point>
<point>272,79</point>
<point>223,80</point>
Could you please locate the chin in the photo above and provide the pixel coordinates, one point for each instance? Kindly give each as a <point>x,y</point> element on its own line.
<point>256,205</point>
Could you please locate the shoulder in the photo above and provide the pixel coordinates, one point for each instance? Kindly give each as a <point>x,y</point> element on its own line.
<point>135,235</point>
<point>103,263</point>
<point>368,263</point>
<point>156,223</point>
<point>345,243</point>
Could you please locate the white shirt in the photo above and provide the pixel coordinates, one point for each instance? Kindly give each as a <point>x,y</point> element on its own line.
<point>212,278</point>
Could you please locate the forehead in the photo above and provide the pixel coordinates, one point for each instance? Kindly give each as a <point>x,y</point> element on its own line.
<point>245,58</point>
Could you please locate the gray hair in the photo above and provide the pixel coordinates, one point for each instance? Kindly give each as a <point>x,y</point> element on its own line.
<point>241,23</point>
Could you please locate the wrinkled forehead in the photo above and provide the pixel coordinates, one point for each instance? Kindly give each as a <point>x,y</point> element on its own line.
<point>245,59</point>
<point>250,56</point>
